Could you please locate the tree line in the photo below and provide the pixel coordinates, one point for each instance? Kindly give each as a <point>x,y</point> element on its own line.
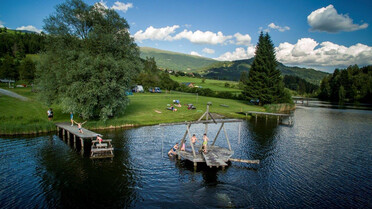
<point>14,46</point>
<point>351,84</point>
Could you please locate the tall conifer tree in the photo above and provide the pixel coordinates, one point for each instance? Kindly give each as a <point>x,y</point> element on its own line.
<point>264,80</point>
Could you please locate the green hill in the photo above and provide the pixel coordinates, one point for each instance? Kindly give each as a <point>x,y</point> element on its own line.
<point>232,70</point>
<point>176,61</point>
<point>228,70</point>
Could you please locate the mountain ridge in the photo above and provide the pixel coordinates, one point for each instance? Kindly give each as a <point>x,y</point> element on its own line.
<point>223,70</point>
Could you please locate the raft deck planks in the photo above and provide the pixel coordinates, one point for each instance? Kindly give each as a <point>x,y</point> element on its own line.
<point>216,156</point>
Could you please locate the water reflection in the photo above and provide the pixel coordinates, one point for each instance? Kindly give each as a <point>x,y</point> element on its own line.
<point>70,181</point>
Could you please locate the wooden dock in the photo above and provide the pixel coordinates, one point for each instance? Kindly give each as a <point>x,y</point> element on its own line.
<point>279,116</point>
<point>84,142</point>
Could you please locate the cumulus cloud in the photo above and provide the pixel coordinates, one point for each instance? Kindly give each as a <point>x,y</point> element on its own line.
<point>243,39</point>
<point>29,28</point>
<point>239,54</point>
<point>197,37</point>
<point>326,54</point>
<point>195,53</point>
<point>1,24</point>
<point>156,33</point>
<point>279,28</point>
<point>200,37</point>
<point>101,4</point>
<point>208,51</point>
<point>122,6</point>
<point>326,19</point>
<point>119,6</point>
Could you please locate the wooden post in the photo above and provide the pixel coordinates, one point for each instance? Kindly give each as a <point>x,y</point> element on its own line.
<point>245,161</point>
<point>74,141</point>
<point>206,125</point>
<point>227,138</point>
<point>256,118</point>
<point>68,141</point>
<point>82,146</point>
<point>192,146</point>
<point>278,120</point>
<point>217,134</point>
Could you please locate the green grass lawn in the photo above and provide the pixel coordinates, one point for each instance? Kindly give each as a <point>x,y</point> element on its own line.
<point>215,85</point>
<point>30,117</point>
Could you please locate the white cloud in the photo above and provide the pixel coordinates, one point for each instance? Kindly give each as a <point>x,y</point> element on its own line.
<point>29,28</point>
<point>243,39</point>
<point>326,54</point>
<point>1,24</point>
<point>101,4</point>
<point>208,51</point>
<point>239,54</point>
<point>156,33</point>
<point>122,6</point>
<point>326,19</point>
<point>195,53</point>
<point>200,37</point>
<point>277,27</point>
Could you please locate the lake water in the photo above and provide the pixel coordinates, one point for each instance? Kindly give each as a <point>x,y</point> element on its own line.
<point>323,161</point>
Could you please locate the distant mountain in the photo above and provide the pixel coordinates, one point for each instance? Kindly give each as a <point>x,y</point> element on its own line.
<point>227,70</point>
<point>232,70</point>
<point>176,61</point>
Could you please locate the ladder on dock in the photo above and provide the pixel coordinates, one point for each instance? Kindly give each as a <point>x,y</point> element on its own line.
<point>101,150</point>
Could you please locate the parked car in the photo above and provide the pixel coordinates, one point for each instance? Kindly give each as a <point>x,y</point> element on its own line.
<point>155,90</point>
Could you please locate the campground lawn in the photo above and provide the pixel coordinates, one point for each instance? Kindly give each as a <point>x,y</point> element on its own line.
<point>214,85</point>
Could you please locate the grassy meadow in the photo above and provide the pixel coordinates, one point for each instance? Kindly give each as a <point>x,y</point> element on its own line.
<point>22,117</point>
<point>215,85</point>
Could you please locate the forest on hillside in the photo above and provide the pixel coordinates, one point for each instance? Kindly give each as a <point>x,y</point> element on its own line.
<point>352,84</point>
<point>14,46</point>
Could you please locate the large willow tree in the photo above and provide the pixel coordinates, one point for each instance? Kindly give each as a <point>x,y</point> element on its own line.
<point>89,61</point>
<point>264,79</point>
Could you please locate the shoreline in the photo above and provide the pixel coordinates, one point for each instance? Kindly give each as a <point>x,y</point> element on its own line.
<point>123,126</point>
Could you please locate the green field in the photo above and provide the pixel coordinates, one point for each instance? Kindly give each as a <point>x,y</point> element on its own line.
<point>176,61</point>
<point>19,117</point>
<point>215,85</point>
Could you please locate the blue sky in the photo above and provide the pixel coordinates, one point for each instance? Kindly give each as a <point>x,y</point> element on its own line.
<point>319,34</point>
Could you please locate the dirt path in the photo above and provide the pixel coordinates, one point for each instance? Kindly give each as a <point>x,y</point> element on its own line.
<point>12,94</point>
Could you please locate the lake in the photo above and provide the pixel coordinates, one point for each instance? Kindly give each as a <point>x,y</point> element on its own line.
<point>323,161</point>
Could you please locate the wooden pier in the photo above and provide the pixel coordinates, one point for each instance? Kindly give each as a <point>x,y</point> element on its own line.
<point>279,116</point>
<point>85,142</point>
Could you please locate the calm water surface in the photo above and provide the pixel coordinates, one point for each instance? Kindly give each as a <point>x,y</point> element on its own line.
<point>323,161</point>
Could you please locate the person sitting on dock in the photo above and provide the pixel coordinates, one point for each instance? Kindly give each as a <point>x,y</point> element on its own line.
<point>194,139</point>
<point>80,126</point>
<point>205,143</point>
<point>99,139</point>
<point>173,150</point>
